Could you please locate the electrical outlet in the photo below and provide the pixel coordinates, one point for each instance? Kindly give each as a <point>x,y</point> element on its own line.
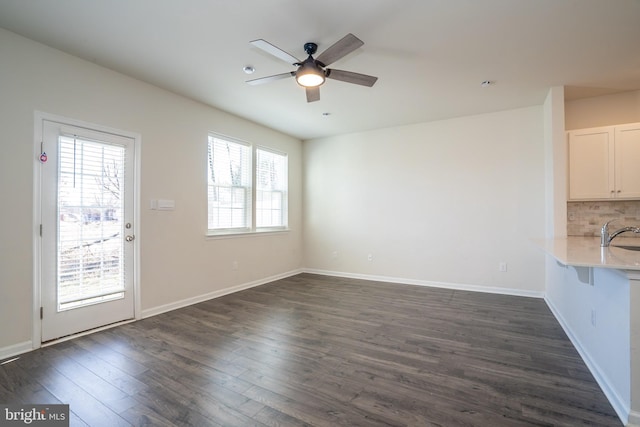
<point>502,267</point>
<point>370,257</point>
<point>234,265</point>
<point>334,254</point>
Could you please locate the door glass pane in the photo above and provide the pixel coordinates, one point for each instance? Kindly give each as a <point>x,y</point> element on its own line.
<point>90,222</point>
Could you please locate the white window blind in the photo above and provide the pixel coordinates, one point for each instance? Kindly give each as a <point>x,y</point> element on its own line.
<point>90,222</point>
<point>271,189</point>
<point>229,182</point>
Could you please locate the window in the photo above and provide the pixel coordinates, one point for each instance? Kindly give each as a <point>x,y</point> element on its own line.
<point>229,185</point>
<point>232,179</point>
<point>271,189</point>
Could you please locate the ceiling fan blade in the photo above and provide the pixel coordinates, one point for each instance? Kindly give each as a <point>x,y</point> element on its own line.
<point>313,94</point>
<point>339,49</point>
<point>351,77</point>
<point>275,51</point>
<point>268,79</point>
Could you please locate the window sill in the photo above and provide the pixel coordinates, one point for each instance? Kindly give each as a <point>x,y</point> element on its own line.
<point>232,234</point>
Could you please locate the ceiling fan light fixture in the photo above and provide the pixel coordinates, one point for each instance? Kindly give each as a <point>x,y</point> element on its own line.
<point>309,79</point>
<point>309,74</point>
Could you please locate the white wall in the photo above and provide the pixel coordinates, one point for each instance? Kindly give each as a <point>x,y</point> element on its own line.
<point>606,110</point>
<point>177,262</point>
<point>556,164</point>
<point>440,202</point>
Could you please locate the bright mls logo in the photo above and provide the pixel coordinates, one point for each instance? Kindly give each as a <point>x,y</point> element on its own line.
<point>34,415</point>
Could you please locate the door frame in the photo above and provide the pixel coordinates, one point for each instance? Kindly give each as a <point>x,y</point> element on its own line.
<point>39,118</point>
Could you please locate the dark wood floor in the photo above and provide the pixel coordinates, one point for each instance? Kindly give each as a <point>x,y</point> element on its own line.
<point>322,351</point>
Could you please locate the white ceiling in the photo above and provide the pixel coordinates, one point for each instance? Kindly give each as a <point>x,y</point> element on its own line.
<point>430,55</point>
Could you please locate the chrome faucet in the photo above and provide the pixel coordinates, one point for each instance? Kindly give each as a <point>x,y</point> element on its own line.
<point>606,237</point>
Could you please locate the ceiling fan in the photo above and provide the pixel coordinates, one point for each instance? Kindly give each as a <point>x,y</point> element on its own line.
<point>311,73</point>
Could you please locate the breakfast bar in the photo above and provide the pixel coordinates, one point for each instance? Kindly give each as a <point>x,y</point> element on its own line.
<point>607,266</point>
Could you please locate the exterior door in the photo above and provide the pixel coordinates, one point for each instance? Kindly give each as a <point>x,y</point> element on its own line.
<point>87,207</point>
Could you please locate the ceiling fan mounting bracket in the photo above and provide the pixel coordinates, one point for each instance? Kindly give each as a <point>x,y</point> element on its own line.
<point>310,48</point>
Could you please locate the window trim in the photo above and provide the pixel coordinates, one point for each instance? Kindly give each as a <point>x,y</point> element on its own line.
<point>252,230</point>
<point>235,233</point>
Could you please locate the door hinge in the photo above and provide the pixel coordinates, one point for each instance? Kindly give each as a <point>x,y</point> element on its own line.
<point>41,313</point>
<point>40,230</point>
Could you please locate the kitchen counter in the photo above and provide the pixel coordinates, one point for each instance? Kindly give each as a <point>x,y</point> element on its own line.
<point>616,302</point>
<point>586,252</point>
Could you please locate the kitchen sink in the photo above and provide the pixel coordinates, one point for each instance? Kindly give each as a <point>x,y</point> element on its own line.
<point>627,247</point>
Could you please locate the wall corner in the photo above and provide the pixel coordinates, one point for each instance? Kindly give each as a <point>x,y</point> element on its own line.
<point>555,164</point>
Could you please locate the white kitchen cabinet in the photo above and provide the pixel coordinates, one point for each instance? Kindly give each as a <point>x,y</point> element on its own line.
<point>627,161</point>
<point>604,163</point>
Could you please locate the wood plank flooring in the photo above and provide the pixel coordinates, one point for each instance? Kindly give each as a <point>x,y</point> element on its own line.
<point>322,351</point>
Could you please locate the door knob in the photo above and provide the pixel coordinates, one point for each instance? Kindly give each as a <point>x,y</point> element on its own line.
<point>129,238</point>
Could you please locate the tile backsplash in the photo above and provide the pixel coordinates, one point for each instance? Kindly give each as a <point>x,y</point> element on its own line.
<point>586,218</point>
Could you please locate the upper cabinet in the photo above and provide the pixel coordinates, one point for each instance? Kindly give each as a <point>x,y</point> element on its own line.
<point>627,161</point>
<point>604,163</point>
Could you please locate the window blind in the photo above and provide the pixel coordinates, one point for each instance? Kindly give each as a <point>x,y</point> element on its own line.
<point>90,222</point>
<point>229,184</point>
<point>271,189</point>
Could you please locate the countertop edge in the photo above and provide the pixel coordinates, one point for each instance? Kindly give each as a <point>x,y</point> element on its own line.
<point>587,252</point>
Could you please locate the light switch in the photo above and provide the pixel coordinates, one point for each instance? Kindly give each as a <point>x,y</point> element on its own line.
<point>166,205</point>
<point>163,205</point>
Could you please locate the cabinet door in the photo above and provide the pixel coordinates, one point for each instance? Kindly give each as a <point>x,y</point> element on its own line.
<point>627,161</point>
<point>591,164</point>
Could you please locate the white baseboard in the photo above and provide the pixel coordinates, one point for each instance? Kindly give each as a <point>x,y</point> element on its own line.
<point>215,294</point>
<point>618,404</point>
<point>15,349</point>
<point>456,286</point>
